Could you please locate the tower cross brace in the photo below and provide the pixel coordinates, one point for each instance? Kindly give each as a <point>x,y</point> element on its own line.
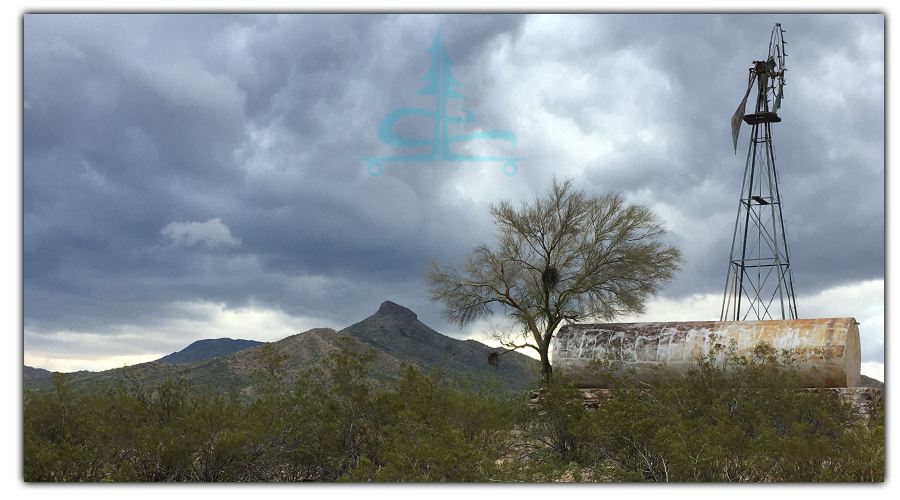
<point>759,284</point>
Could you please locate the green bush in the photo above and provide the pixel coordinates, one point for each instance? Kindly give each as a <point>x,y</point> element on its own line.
<point>743,420</point>
<point>63,435</point>
<point>432,428</point>
<point>747,421</point>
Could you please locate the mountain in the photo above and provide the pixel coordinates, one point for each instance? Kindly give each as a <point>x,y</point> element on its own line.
<point>397,330</point>
<point>205,349</point>
<point>36,373</point>
<point>393,332</point>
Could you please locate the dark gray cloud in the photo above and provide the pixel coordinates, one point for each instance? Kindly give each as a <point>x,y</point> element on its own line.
<point>133,123</point>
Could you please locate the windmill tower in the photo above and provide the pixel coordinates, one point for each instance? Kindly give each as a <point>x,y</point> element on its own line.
<point>759,283</point>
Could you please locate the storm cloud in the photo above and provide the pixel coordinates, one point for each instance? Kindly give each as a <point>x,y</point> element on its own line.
<point>192,174</point>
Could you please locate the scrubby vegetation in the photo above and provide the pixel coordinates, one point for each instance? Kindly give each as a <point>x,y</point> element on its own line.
<point>748,424</point>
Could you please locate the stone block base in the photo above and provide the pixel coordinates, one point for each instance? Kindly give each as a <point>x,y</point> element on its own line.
<point>864,399</point>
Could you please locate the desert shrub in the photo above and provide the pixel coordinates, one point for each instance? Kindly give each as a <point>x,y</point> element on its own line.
<point>172,433</point>
<point>434,428</point>
<point>63,435</point>
<point>559,426</point>
<point>747,419</point>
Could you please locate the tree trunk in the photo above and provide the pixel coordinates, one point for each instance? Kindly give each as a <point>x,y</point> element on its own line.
<point>546,369</point>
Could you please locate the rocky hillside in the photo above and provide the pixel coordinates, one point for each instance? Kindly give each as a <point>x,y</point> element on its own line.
<point>396,330</point>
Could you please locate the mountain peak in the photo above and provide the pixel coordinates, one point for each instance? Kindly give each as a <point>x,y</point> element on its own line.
<point>207,348</point>
<point>391,309</point>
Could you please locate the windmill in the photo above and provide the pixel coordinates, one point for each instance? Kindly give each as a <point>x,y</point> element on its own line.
<point>759,283</point>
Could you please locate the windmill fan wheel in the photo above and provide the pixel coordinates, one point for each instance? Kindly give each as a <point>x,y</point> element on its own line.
<point>775,66</point>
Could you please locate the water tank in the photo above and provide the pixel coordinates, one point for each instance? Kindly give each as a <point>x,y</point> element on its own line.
<point>825,351</point>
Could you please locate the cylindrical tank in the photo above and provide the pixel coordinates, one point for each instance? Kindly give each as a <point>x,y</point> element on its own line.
<point>825,351</point>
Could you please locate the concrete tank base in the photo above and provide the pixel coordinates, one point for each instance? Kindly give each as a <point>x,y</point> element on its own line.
<point>826,351</point>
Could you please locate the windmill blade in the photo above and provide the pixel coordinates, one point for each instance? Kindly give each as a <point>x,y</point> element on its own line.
<point>739,114</point>
<point>776,64</point>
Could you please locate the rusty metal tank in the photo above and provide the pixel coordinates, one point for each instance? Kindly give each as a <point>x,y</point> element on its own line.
<point>826,351</point>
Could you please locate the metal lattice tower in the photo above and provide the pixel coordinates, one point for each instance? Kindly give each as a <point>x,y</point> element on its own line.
<point>759,283</point>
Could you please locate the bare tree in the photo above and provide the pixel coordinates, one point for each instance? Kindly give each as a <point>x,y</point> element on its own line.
<point>565,257</point>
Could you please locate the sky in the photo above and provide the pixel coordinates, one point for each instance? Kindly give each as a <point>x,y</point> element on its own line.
<point>199,176</point>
